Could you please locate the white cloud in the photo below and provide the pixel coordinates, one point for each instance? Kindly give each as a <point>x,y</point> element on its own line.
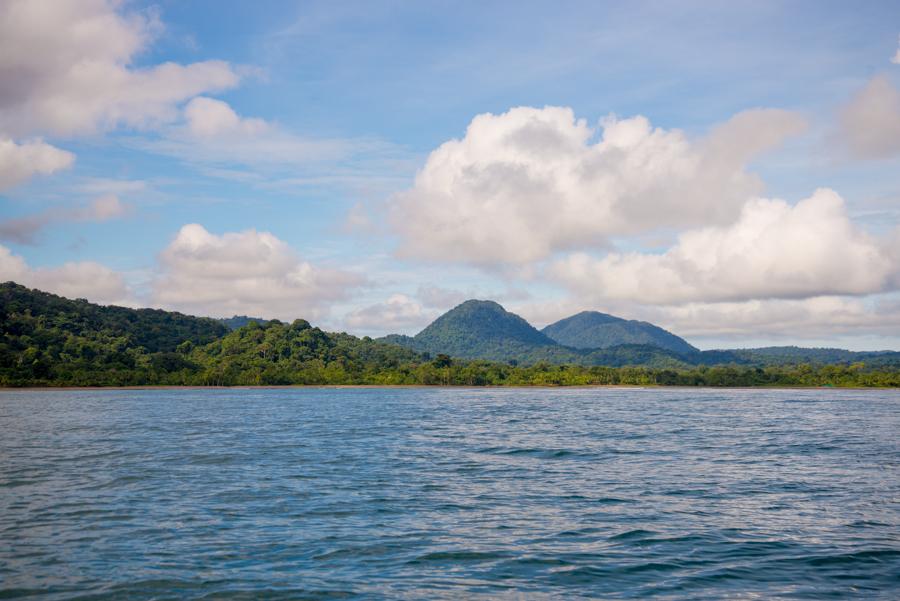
<point>85,279</point>
<point>785,321</point>
<point>211,132</point>
<point>896,58</point>
<point>399,313</point>
<point>871,322</point>
<point>249,272</point>
<point>207,117</point>
<point>773,250</point>
<point>24,230</point>
<point>870,122</point>
<point>530,182</point>
<point>67,68</point>
<point>19,162</point>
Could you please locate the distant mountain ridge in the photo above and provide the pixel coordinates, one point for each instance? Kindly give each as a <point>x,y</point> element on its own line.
<point>481,329</point>
<point>239,321</point>
<point>48,340</point>
<point>595,330</point>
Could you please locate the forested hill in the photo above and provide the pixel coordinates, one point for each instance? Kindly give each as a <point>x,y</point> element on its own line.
<point>594,330</point>
<point>484,330</point>
<point>50,340</point>
<point>478,329</point>
<point>47,340</point>
<point>47,319</point>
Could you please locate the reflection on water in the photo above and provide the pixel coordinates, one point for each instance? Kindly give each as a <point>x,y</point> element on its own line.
<point>448,493</point>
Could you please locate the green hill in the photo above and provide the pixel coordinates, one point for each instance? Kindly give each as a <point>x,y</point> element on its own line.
<point>479,329</point>
<point>794,355</point>
<point>25,313</point>
<point>47,340</point>
<point>594,330</point>
<point>50,340</point>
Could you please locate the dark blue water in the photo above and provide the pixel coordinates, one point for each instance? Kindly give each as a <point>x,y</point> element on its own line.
<point>449,494</point>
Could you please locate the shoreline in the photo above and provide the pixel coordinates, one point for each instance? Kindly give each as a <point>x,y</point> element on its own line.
<point>432,387</point>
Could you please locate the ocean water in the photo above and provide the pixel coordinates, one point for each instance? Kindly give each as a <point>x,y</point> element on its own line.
<point>450,494</point>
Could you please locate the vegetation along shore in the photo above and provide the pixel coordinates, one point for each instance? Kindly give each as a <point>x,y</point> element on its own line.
<point>51,341</point>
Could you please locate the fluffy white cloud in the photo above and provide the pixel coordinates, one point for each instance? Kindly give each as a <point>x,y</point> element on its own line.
<point>23,230</point>
<point>399,313</point>
<point>66,68</point>
<point>527,183</point>
<point>85,279</point>
<point>249,272</point>
<point>870,122</point>
<point>896,58</point>
<point>19,162</point>
<point>773,250</point>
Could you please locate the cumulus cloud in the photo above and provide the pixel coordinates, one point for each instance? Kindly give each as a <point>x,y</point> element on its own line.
<point>530,182</point>
<point>24,230</point>
<point>819,320</point>
<point>870,122</point>
<point>896,58</point>
<point>249,272</point>
<point>773,250</point>
<point>19,162</point>
<point>67,68</point>
<point>85,279</point>
<point>399,313</point>
<point>211,131</point>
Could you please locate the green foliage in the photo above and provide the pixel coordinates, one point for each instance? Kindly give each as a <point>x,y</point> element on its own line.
<point>239,321</point>
<point>51,341</point>
<point>593,330</point>
<point>477,330</point>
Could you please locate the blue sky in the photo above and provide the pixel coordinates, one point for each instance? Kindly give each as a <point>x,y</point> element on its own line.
<point>291,133</point>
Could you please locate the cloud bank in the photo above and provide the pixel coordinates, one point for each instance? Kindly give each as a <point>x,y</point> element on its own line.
<point>67,68</point>
<point>249,272</point>
<point>773,250</point>
<point>83,279</point>
<point>530,182</point>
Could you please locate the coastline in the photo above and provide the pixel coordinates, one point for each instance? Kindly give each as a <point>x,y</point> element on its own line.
<point>432,387</point>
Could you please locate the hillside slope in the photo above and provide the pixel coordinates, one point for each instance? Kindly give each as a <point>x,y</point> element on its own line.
<point>595,330</point>
<point>478,329</point>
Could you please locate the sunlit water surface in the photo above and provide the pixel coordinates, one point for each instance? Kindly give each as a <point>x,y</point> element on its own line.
<point>450,493</point>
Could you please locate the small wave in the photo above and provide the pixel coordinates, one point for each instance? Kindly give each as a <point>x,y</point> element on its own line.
<point>458,556</point>
<point>539,453</point>
<point>632,535</point>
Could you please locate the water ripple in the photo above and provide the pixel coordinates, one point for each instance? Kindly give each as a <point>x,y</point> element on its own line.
<point>449,494</point>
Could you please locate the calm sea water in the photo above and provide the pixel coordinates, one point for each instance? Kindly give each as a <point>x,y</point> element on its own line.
<point>449,494</point>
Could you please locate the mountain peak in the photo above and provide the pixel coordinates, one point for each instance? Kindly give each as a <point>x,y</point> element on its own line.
<point>595,330</point>
<point>476,328</point>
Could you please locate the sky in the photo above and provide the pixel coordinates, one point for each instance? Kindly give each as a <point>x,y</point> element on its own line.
<point>729,171</point>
